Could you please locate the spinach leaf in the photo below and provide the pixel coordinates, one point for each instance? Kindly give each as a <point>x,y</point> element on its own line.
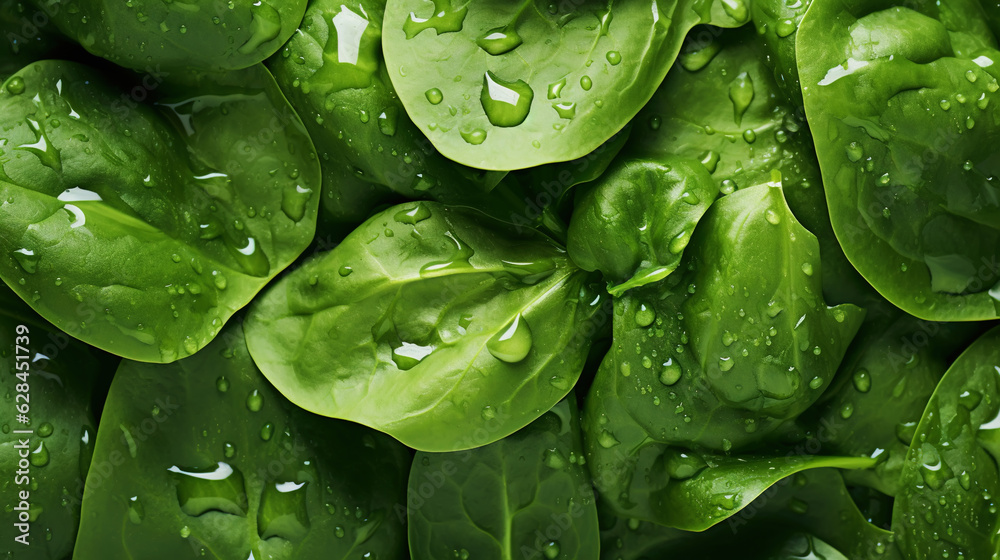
<point>634,224</point>
<point>510,85</point>
<point>437,325</point>
<point>24,36</point>
<point>527,496</point>
<point>743,129</point>
<point>154,36</point>
<point>901,102</point>
<point>56,384</point>
<point>777,23</point>
<point>716,358</point>
<point>141,228</point>
<point>336,78</point>
<point>809,507</point>
<point>882,387</point>
<point>946,508</point>
<point>204,459</point>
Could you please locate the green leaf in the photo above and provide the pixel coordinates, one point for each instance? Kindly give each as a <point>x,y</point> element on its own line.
<point>720,357</point>
<point>903,114</point>
<point>810,511</point>
<point>743,129</point>
<point>204,459</point>
<point>437,325</point>
<point>56,383</point>
<point>945,507</point>
<point>146,35</point>
<point>510,85</point>
<point>527,496</point>
<point>634,224</point>
<point>336,78</point>
<point>24,40</point>
<point>141,228</point>
<point>882,387</point>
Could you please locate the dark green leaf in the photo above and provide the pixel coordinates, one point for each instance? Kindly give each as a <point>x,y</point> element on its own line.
<point>142,228</point>
<point>718,357</point>
<point>57,378</point>
<point>634,224</point>
<point>946,506</point>
<point>439,326</point>
<point>510,85</point>
<point>192,34</point>
<point>204,459</point>
<point>902,104</point>
<point>525,497</point>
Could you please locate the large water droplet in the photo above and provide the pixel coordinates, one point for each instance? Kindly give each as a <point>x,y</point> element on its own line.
<point>27,259</point>
<point>445,19</point>
<point>933,468</point>
<point>255,401</point>
<point>671,372</point>
<point>413,215</point>
<point>862,381</point>
<point>265,26</point>
<point>283,511</point>
<point>506,103</point>
<point>136,512</point>
<point>741,93</point>
<point>530,272</point>
<point>42,148</point>
<point>683,465</point>
<point>513,343</point>
<point>499,40</point>
<point>458,260</point>
<point>39,456</point>
<point>217,488</point>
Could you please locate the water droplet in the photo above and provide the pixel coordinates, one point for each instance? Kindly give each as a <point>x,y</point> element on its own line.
<point>816,382</point>
<point>15,85</point>
<point>670,373</point>
<point>222,384</point>
<point>884,179</point>
<point>726,363</point>
<point>970,123</point>
<point>475,136</point>
<point>555,89</point>
<point>785,28</point>
<point>710,160</point>
<point>553,459</point>
<point>345,271</point>
<point>27,259</point>
<point>933,468</point>
<point>645,315</point>
<point>772,217</point>
<point>46,153</point>
<point>741,92</point>
<point>565,110</point>
<point>434,96</point>
<point>387,121</point>
<point>683,465</point>
<point>749,136</point>
<point>679,242</point>
<point>283,511</point>
<point>265,26</point>
<point>266,431</point>
<point>847,411</point>
<point>45,430</point>
<point>39,456</point>
<point>586,83</point>
<point>417,213</point>
<point>971,76</point>
<point>513,343</point>
<point>229,450</point>
<point>695,61</point>
<point>458,260</point>
<point>445,19</point>
<point>551,550</point>
<point>854,152</point>
<point>614,57</point>
<point>136,513</point>
<point>255,401</point>
<point>607,439</point>
<point>862,381</point>
<point>945,104</point>
<point>185,532</point>
<point>499,40</point>
<point>506,103</point>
